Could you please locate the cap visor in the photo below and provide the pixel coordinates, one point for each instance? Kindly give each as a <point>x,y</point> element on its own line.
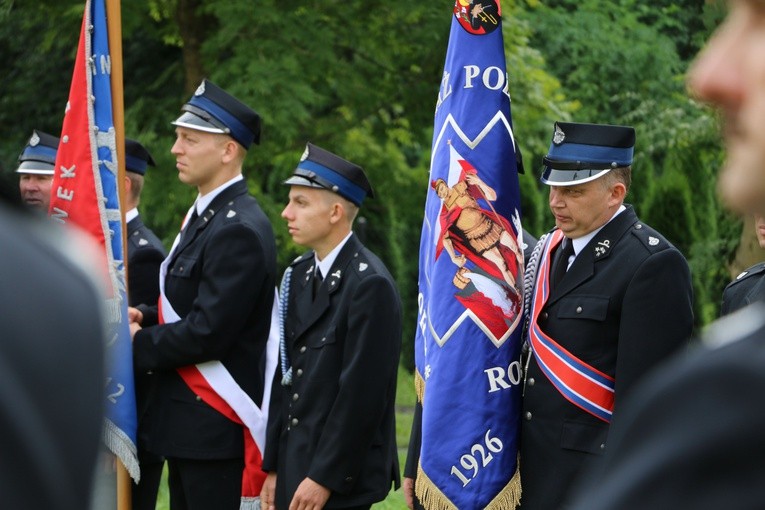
<point>297,180</point>
<point>554,177</point>
<point>35,167</point>
<point>191,121</point>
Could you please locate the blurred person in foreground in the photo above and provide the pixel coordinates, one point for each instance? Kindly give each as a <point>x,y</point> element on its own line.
<point>691,434</point>
<point>51,365</point>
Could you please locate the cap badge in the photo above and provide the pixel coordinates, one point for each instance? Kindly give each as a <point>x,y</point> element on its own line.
<point>34,140</point>
<point>652,241</point>
<point>305,154</point>
<point>200,90</point>
<point>363,266</point>
<point>559,136</point>
<point>602,247</point>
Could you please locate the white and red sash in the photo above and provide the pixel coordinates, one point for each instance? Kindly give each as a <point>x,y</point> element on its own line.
<point>581,384</point>
<point>212,382</point>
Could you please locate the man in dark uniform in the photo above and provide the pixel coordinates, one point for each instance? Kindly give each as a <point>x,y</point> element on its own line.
<point>145,253</point>
<point>690,435</point>
<point>51,366</point>
<point>331,433</point>
<point>36,164</point>
<point>749,286</point>
<point>614,301</point>
<point>206,344</point>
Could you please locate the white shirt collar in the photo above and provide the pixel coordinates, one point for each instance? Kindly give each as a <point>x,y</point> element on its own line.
<point>131,214</point>
<point>581,242</point>
<point>325,265</point>
<point>203,202</point>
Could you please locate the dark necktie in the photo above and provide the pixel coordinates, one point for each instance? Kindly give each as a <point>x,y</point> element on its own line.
<point>560,261</point>
<point>189,224</point>
<point>317,279</point>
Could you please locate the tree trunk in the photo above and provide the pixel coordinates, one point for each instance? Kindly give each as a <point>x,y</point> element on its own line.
<point>193,29</point>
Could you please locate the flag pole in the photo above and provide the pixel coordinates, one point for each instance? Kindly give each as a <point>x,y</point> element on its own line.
<point>114,23</point>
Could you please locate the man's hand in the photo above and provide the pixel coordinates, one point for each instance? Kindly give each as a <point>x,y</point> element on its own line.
<point>309,496</point>
<point>134,326</point>
<point>407,486</point>
<point>135,315</point>
<point>268,492</point>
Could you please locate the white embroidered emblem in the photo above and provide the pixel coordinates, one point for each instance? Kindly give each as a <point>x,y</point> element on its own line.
<point>336,274</point>
<point>231,213</point>
<point>143,242</point>
<point>653,241</point>
<point>34,140</point>
<point>363,266</point>
<point>200,90</point>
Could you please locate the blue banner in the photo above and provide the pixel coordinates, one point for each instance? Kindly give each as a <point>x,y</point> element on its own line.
<point>86,193</point>
<point>468,339</point>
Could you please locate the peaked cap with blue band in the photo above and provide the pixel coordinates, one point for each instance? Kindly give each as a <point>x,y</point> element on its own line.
<point>319,168</point>
<point>137,158</point>
<point>581,153</point>
<point>213,110</point>
<point>39,155</point>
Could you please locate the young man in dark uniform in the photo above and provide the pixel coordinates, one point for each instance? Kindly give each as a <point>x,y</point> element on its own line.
<point>206,344</point>
<point>331,433</point>
<point>612,302</point>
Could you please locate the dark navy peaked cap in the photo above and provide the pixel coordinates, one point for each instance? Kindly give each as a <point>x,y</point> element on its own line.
<point>214,110</point>
<point>137,158</point>
<point>319,168</point>
<point>39,155</point>
<point>580,153</point>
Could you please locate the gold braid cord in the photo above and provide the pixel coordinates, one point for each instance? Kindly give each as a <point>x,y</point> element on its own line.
<point>419,386</point>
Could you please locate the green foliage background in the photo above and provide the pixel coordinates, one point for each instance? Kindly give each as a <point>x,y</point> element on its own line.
<point>360,77</point>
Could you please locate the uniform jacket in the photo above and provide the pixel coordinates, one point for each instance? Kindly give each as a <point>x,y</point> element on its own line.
<point>220,281</point>
<point>624,304</point>
<point>690,436</point>
<point>747,288</point>
<point>145,254</point>
<point>336,423</point>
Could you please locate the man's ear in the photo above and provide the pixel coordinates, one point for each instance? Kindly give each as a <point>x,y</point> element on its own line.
<point>618,192</point>
<point>128,185</point>
<point>337,212</point>
<point>230,151</point>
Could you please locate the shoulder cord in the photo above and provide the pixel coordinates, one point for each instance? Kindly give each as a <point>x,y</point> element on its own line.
<point>284,297</point>
<point>529,279</point>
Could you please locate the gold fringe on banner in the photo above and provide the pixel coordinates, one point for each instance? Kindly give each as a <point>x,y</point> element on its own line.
<point>432,498</point>
<point>510,495</point>
<point>429,495</point>
<point>419,386</point>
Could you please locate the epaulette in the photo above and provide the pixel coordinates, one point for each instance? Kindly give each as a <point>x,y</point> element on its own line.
<point>138,239</point>
<point>755,270</point>
<point>360,264</point>
<point>652,240</point>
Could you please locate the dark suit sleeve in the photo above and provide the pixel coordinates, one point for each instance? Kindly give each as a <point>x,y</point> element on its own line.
<point>415,443</point>
<point>143,276</point>
<point>231,278</point>
<point>689,437</point>
<point>657,317</point>
<point>367,379</point>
